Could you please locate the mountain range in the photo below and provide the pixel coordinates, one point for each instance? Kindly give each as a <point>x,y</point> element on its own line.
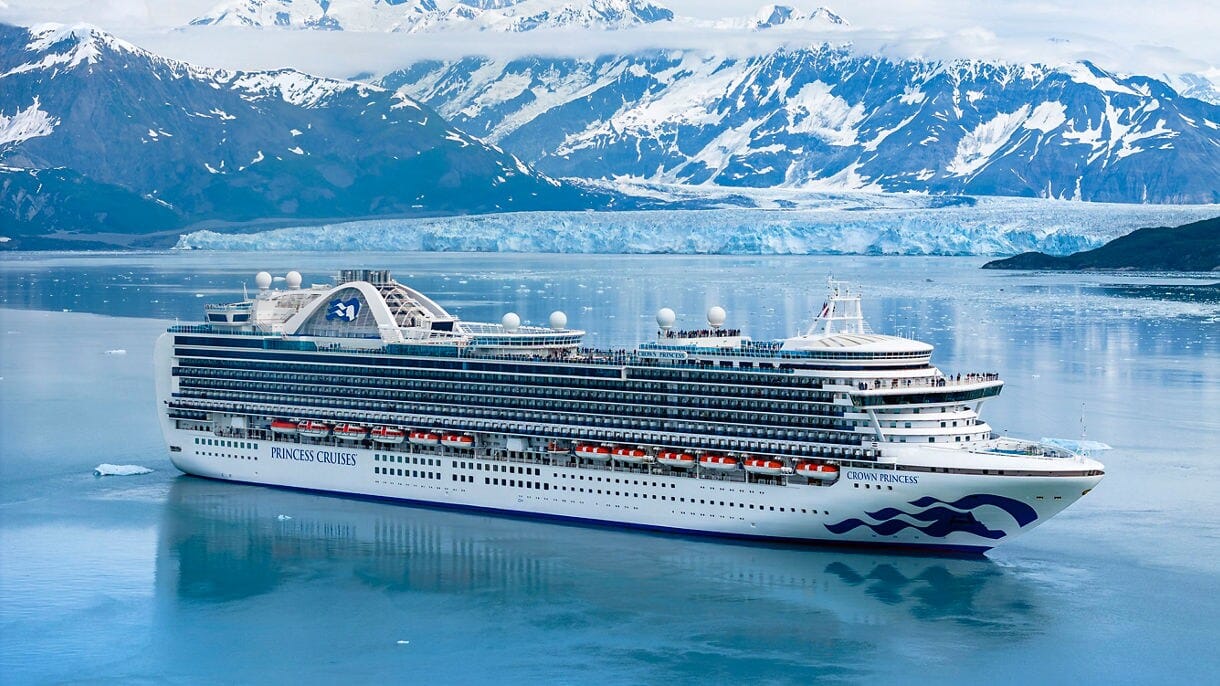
<point>99,135</point>
<point>824,117</point>
<point>414,16</point>
<point>815,116</point>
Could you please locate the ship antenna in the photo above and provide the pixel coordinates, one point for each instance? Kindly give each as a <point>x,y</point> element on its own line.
<point>1083,429</point>
<point>244,294</point>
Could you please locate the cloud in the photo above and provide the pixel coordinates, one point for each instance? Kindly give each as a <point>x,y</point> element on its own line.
<point>1124,35</point>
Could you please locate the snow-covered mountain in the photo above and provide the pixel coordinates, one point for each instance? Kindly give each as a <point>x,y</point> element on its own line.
<point>158,143</point>
<point>783,16</point>
<point>413,16</point>
<point>824,117</point>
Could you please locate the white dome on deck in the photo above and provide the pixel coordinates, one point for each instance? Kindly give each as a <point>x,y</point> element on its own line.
<point>511,322</point>
<point>666,318</point>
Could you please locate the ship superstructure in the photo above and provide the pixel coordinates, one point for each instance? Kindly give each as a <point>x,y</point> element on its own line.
<point>838,434</point>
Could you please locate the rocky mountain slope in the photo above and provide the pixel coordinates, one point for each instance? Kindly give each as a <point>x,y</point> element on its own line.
<point>1194,247</point>
<point>825,118</point>
<point>90,121</point>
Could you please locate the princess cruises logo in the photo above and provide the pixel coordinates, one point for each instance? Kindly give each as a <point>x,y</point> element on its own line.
<point>343,310</point>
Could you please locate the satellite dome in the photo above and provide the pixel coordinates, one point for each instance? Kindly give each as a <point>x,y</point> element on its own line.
<point>666,318</point>
<point>293,279</point>
<point>510,322</point>
<point>262,280</point>
<point>716,316</point>
<point>559,320</point>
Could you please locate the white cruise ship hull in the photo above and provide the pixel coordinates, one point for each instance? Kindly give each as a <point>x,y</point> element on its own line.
<point>941,512</point>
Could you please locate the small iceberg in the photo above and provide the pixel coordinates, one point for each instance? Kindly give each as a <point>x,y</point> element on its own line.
<point>283,517</point>
<point>117,351</point>
<point>120,470</point>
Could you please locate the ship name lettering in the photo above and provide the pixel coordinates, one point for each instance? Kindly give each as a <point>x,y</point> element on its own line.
<point>881,477</point>
<point>308,455</point>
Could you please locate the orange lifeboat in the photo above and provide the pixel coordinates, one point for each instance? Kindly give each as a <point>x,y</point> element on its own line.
<point>631,456</point>
<point>721,463</point>
<point>556,448</point>
<point>676,460</point>
<point>593,452</point>
<point>387,434</point>
<point>460,441</point>
<point>818,472</point>
<point>283,426</point>
<point>423,438</point>
<point>313,429</point>
<point>351,432</point>
<point>756,465</point>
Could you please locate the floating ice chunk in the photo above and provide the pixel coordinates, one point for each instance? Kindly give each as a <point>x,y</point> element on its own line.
<point>283,517</point>
<point>117,351</point>
<point>403,643</point>
<point>120,470</point>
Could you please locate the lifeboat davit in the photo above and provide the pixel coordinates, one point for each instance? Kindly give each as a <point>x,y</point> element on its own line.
<point>461,441</point>
<point>631,456</point>
<point>819,472</point>
<point>768,467</point>
<point>313,429</point>
<point>283,426</point>
<point>351,432</point>
<point>388,434</point>
<point>718,462</point>
<point>423,438</point>
<point>593,452</point>
<point>675,460</point>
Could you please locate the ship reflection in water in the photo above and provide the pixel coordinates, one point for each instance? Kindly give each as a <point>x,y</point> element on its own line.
<point>441,578</point>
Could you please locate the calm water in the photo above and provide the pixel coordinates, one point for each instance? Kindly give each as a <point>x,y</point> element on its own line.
<point>163,577</point>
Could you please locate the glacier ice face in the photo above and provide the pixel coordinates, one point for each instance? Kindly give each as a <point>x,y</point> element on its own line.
<point>868,225</point>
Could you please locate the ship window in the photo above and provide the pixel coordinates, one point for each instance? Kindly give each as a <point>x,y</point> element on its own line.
<point>931,439</point>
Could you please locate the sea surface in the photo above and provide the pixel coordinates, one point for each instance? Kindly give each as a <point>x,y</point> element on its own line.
<point>164,578</point>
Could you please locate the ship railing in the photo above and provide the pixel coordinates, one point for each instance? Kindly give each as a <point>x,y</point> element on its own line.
<point>229,307</point>
<point>792,449</point>
<point>958,381</point>
<point>603,428</point>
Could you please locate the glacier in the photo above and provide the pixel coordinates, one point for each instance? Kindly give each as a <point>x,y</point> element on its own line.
<point>874,224</point>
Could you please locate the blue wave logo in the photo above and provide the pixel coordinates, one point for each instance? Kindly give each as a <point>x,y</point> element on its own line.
<point>343,310</point>
<point>942,517</point>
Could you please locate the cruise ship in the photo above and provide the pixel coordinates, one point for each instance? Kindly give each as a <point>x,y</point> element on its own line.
<point>838,435</point>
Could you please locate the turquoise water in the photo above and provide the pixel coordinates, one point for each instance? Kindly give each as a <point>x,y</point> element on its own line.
<point>163,577</point>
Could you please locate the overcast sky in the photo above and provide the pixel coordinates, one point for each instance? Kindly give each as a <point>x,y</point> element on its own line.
<point>1123,35</point>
